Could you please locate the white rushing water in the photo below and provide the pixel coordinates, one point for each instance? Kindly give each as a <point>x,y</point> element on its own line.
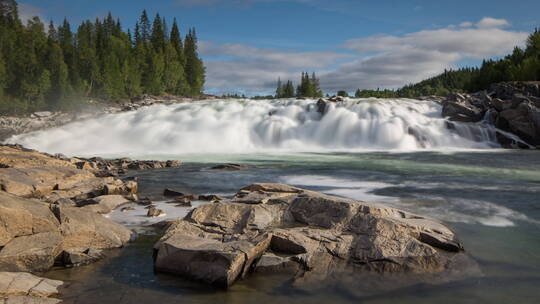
<point>245,126</point>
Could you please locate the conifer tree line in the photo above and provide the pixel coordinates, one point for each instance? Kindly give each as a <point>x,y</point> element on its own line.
<point>309,87</point>
<point>521,65</point>
<point>52,67</point>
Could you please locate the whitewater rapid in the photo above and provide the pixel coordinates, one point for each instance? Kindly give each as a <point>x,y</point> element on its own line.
<point>246,126</point>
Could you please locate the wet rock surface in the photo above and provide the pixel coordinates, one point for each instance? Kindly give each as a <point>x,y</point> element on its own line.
<point>269,228</point>
<point>20,287</point>
<point>512,107</point>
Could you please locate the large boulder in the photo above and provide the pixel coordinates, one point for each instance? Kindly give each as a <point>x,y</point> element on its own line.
<point>31,253</point>
<point>22,217</point>
<point>459,107</point>
<point>292,230</point>
<point>83,229</point>
<point>35,235</point>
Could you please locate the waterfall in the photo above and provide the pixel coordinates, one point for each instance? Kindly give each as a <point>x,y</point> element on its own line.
<point>246,126</point>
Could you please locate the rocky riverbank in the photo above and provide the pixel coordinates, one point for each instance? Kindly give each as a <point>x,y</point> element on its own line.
<point>50,214</point>
<point>512,107</point>
<point>51,211</point>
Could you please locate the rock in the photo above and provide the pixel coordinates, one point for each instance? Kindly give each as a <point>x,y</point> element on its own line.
<point>103,204</point>
<point>154,212</point>
<point>230,167</point>
<point>458,107</point>
<point>172,193</point>
<point>321,106</point>
<point>22,217</point>
<point>144,201</point>
<point>126,209</point>
<point>43,114</point>
<point>74,258</point>
<point>32,253</point>
<point>272,263</point>
<point>83,229</point>
<point>33,235</point>
<point>512,107</point>
<point>182,202</point>
<point>208,260</point>
<point>302,231</point>
<point>20,287</point>
<point>129,188</point>
<point>209,198</point>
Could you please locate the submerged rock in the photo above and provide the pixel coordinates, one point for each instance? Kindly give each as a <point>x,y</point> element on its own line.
<point>279,228</point>
<point>155,212</point>
<point>230,167</point>
<point>172,193</point>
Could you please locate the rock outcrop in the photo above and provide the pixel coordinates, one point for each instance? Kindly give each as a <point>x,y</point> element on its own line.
<point>512,107</point>
<point>35,235</point>
<point>32,174</point>
<point>20,287</point>
<point>279,228</point>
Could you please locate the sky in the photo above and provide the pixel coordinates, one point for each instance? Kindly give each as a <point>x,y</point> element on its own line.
<point>248,44</point>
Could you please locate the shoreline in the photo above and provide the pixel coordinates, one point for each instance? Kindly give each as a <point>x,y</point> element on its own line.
<point>70,194</point>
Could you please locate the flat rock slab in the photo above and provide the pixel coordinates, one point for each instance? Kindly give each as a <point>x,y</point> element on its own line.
<point>280,228</point>
<point>21,287</point>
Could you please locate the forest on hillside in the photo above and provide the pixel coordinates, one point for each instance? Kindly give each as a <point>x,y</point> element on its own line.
<point>521,65</point>
<point>54,68</point>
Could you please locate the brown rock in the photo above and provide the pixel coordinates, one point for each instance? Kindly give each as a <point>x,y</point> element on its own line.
<point>315,236</point>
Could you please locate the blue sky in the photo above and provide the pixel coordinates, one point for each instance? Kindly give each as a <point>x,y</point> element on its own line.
<point>247,44</point>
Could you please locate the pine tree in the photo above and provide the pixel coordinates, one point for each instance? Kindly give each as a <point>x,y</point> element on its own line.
<point>176,41</point>
<point>194,68</point>
<point>144,24</point>
<point>279,89</point>
<point>158,35</point>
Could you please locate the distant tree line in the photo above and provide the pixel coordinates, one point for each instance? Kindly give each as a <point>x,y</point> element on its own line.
<point>309,87</point>
<point>54,68</point>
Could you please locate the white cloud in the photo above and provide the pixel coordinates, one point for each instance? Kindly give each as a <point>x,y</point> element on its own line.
<point>27,11</point>
<point>400,60</point>
<point>488,22</point>
<point>257,69</point>
<point>384,61</point>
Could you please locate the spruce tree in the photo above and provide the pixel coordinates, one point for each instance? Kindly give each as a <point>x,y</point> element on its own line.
<point>194,68</point>
<point>158,35</point>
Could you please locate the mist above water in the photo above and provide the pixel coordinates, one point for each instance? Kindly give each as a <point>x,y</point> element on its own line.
<point>242,126</point>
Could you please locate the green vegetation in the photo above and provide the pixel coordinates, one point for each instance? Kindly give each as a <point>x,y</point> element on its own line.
<point>309,87</point>
<point>57,69</point>
<point>342,93</point>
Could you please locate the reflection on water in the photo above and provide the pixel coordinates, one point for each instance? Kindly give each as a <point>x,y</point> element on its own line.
<point>491,200</point>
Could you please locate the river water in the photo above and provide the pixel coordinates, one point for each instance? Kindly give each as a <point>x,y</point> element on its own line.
<point>488,196</point>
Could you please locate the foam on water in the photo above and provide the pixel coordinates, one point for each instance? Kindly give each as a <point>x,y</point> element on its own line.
<point>243,126</point>
<point>136,219</point>
<point>445,209</point>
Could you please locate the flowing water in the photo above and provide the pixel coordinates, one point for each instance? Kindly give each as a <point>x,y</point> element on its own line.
<point>398,152</point>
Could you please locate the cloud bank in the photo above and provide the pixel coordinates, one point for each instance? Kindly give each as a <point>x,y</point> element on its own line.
<point>381,61</point>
